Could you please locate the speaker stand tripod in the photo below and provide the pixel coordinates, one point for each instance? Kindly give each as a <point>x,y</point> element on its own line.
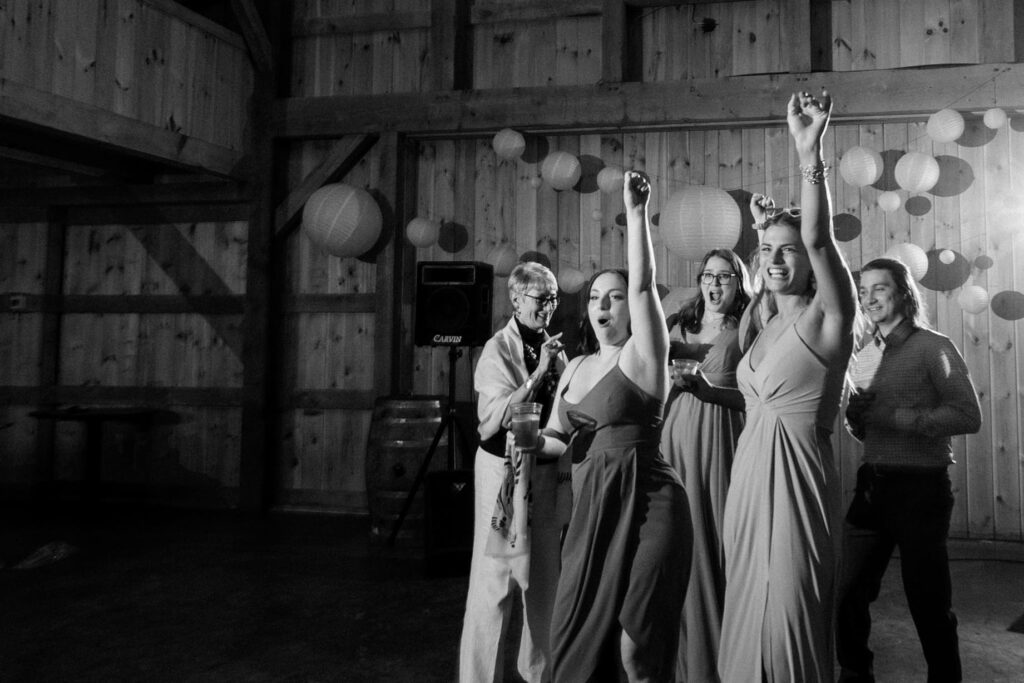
<point>449,423</point>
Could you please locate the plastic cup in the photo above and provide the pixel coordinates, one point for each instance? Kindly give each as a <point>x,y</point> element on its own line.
<point>684,367</point>
<point>526,424</point>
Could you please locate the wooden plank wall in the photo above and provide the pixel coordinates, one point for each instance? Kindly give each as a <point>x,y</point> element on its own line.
<point>491,202</point>
<point>149,314</point>
<point>151,60</point>
<point>484,203</point>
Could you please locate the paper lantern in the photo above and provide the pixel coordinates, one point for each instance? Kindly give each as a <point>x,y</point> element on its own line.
<point>536,182</point>
<point>994,118</point>
<point>609,179</point>
<point>889,201</point>
<point>561,170</point>
<point>597,215</point>
<point>917,172</point>
<point>342,220</point>
<point>422,232</point>
<point>947,256</point>
<point>508,143</point>
<point>571,280</point>
<point>945,125</point>
<point>973,299</point>
<point>504,258</point>
<point>861,166</point>
<point>697,219</point>
<point>912,256</point>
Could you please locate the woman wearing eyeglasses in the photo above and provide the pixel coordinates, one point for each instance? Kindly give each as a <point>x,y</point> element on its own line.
<point>520,363</point>
<point>782,512</point>
<point>702,424</point>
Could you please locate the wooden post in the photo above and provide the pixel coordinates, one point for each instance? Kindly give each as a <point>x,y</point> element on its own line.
<point>449,35</point>
<point>49,341</point>
<point>404,275</point>
<point>258,418</point>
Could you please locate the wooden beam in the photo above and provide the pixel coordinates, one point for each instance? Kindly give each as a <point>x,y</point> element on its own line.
<point>121,304</point>
<point>403,276</point>
<point>160,397</point>
<point>255,35</point>
<point>21,104</point>
<point>450,45</point>
<point>341,159</point>
<point>158,214</point>
<point>364,23</point>
<point>52,163</point>
<point>737,101</point>
<point>496,11</point>
<point>183,194</point>
<point>389,185</point>
<point>613,42</point>
<point>795,16</point>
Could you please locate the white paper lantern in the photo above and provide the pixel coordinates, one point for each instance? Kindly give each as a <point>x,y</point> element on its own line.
<point>536,182</point>
<point>889,201</point>
<point>995,118</point>
<point>609,179</point>
<point>945,125</point>
<point>571,280</point>
<point>947,256</point>
<point>597,215</point>
<point>917,172</point>
<point>342,220</point>
<point>422,232</point>
<point>973,299</point>
<point>561,170</point>
<point>504,258</point>
<point>861,166</point>
<point>697,219</point>
<point>508,143</point>
<point>912,256</point>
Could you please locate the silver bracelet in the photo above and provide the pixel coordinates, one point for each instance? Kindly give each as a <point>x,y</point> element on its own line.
<point>815,173</point>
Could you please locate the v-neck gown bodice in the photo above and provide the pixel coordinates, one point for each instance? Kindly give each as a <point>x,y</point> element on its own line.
<point>780,519</point>
<point>628,541</point>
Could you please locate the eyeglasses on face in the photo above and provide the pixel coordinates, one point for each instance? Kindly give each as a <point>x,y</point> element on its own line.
<point>544,301</point>
<point>706,278</point>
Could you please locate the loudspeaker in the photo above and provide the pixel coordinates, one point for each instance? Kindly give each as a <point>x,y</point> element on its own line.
<point>448,522</point>
<point>453,303</point>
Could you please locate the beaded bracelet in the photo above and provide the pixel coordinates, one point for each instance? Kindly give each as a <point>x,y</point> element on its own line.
<point>815,173</point>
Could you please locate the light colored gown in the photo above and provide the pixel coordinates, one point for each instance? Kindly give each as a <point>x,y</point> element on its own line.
<point>698,440</point>
<point>781,518</point>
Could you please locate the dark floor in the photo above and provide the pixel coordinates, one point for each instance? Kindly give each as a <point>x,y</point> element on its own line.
<point>158,595</point>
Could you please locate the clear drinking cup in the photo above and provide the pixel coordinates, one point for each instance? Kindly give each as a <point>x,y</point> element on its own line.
<point>684,368</point>
<point>526,423</point>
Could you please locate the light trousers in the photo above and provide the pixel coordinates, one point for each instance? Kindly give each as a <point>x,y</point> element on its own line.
<point>492,586</point>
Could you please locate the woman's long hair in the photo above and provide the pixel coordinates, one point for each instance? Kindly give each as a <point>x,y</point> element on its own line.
<point>692,311</point>
<point>588,339</point>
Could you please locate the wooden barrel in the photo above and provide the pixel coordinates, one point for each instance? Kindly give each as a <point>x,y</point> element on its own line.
<point>401,431</point>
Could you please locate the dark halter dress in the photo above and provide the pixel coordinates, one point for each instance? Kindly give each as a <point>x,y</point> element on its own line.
<point>626,556</point>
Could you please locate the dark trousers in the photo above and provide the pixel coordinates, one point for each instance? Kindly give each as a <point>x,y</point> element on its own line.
<point>909,510</point>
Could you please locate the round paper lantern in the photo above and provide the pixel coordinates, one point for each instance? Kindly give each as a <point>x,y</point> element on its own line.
<point>917,172</point>
<point>561,170</point>
<point>609,179</point>
<point>508,143</point>
<point>945,125</point>
<point>994,118</point>
<point>697,219</point>
<point>342,220</point>
<point>571,279</point>
<point>912,256</point>
<point>536,182</point>
<point>597,215</point>
<point>422,232</point>
<point>861,166</point>
<point>889,201</point>
<point>973,299</point>
<point>947,256</point>
<point>504,258</point>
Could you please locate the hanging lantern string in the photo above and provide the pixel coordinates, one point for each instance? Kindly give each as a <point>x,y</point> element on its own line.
<point>679,183</point>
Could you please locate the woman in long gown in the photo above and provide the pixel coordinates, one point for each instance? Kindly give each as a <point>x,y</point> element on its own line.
<point>782,511</point>
<point>702,425</point>
<point>626,552</point>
